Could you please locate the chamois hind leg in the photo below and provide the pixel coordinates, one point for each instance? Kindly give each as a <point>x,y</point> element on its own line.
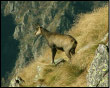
<point>53,54</point>
<point>67,52</point>
<point>72,51</point>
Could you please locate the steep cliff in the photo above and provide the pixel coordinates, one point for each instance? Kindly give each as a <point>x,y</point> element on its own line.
<point>55,16</point>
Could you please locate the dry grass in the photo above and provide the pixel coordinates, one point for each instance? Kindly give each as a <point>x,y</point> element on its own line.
<point>88,31</point>
<point>28,73</point>
<point>91,27</point>
<point>62,75</point>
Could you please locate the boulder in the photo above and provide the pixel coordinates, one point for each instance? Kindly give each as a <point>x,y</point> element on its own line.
<point>16,82</point>
<point>98,72</point>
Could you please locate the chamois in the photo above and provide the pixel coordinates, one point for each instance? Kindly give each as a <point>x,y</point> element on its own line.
<point>56,41</point>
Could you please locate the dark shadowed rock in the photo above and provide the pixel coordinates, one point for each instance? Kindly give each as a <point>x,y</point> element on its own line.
<point>16,82</point>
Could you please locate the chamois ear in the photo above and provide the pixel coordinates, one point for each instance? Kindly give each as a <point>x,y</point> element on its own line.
<point>36,26</point>
<point>38,31</point>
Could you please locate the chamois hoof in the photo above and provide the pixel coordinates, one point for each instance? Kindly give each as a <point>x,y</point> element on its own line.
<point>70,62</point>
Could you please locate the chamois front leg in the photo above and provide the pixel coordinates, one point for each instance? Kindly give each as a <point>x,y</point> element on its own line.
<point>54,50</point>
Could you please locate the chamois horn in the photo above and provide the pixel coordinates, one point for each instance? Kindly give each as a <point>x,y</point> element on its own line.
<point>36,25</point>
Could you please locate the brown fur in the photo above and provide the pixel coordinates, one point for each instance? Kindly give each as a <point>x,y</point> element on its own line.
<point>62,42</point>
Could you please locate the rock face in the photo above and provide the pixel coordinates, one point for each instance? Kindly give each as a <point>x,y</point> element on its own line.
<point>98,71</point>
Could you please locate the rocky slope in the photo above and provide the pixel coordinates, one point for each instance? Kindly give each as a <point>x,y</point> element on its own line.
<point>55,16</point>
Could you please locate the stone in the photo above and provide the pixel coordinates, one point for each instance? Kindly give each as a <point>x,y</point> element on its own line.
<point>104,81</point>
<point>38,75</point>
<point>98,70</point>
<point>16,82</point>
<point>105,38</point>
<point>58,61</point>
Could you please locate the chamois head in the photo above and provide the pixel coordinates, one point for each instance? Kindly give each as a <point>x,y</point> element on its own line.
<point>38,32</point>
<point>38,29</point>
